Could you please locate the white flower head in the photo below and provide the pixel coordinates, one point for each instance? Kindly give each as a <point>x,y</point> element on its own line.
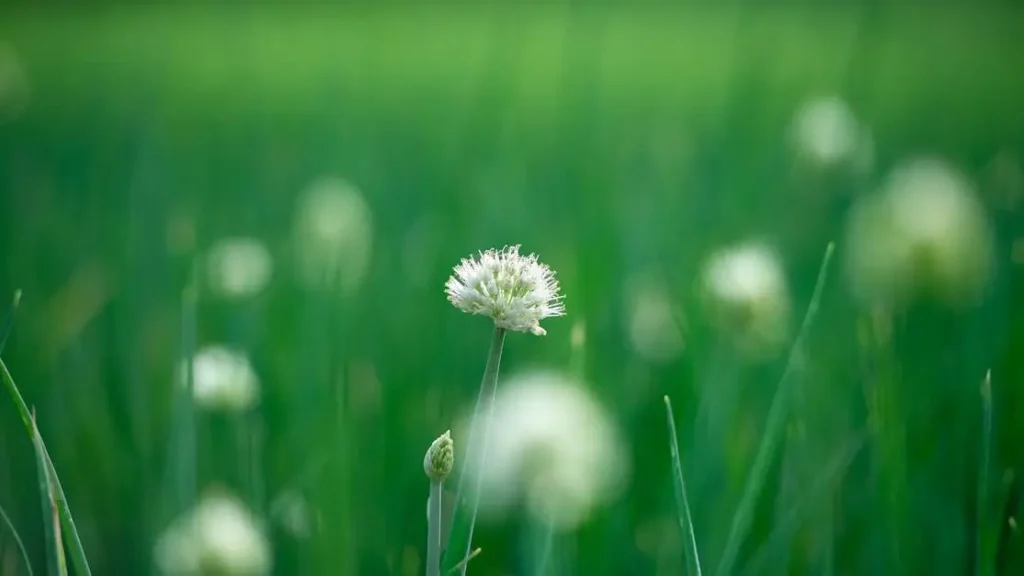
<point>925,232</point>
<point>222,379</point>
<point>515,291</point>
<point>746,290</point>
<point>654,329</point>
<point>238,267</point>
<point>826,131</point>
<point>551,448</point>
<point>219,536</point>
<point>333,235</point>
<point>292,512</point>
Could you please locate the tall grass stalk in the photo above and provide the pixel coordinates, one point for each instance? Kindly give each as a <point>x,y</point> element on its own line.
<point>74,542</point>
<point>8,325</point>
<point>67,523</point>
<point>181,467</point>
<point>682,502</point>
<point>17,541</point>
<point>9,321</point>
<point>775,427</point>
<point>55,560</point>
<point>982,562</point>
<point>458,553</point>
<point>820,492</point>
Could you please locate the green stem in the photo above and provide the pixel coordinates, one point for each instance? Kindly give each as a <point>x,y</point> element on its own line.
<point>682,502</point>
<point>74,543</point>
<point>434,530</point>
<point>546,546</point>
<point>484,403</point>
<point>773,429</point>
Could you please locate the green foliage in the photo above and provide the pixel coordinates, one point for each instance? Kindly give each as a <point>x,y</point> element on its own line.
<point>621,146</point>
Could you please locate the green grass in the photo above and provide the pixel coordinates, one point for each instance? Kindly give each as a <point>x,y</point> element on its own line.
<point>621,145</point>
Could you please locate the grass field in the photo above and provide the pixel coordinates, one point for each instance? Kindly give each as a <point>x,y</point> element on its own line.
<point>623,146</point>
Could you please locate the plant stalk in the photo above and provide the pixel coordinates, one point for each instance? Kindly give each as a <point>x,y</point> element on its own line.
<point>478,453</point>
<point>434,530</point>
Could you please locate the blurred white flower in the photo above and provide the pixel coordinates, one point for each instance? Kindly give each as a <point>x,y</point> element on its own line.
<point>924,232</point>
<point>333,235</point>
<point>219,537</point>
<point>293,513</point>
<point>551,447</point>
<point>516,291</point>
<point>222,379</point>
<point>827,132</point>
<point>653,329</point>
<point>748,297</point>
<point>238,267</point>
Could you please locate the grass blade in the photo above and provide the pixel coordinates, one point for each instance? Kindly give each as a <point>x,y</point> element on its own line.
<point>682,502</point>
<point>6,331</point>
<point>74,543</point>
<point>461,566</point>
<point>9,321</point>
<point>181,490</point>
<point>17,541</point>
<point>55,560</point>
<point>983,562</point>
<point>815,493</point>
<point>773,429</point>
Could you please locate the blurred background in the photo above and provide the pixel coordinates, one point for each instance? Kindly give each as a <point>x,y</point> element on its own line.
<point>279,192</point>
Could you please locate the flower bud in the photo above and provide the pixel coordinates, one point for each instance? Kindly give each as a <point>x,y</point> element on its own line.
<point>440,458</point>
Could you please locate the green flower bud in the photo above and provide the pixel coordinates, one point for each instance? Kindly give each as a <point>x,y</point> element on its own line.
<point>440,458</point>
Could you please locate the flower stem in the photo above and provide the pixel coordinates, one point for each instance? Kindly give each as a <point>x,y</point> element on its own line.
<point>545,532</point>
<point>477,454</point>
<point>434,530</point>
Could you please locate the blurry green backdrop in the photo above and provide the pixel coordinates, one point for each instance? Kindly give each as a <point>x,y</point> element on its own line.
<point>620,144</point>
